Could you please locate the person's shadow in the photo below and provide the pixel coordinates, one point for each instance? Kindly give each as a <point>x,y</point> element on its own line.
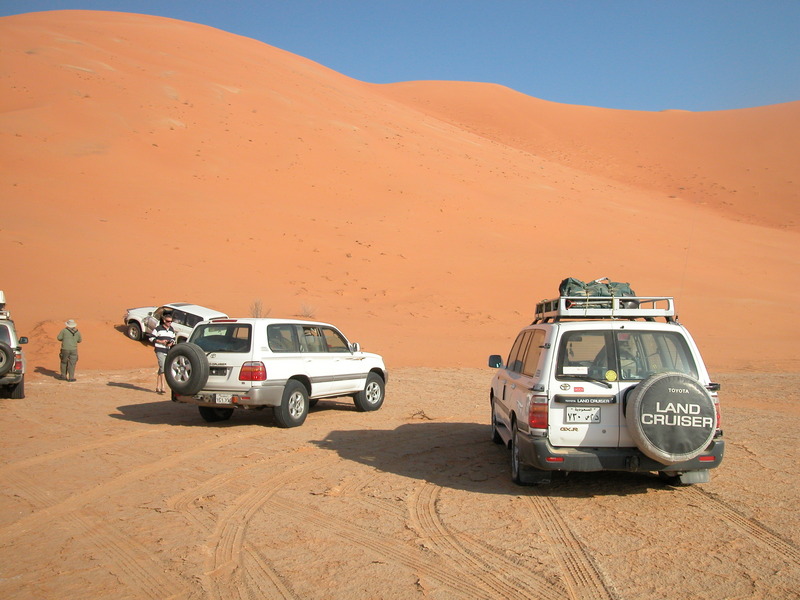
<point>128,386</point>
<point>48,372</point>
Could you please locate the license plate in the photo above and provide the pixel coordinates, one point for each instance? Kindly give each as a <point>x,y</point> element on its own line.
<point>583,414</point>
<point>223,398</point>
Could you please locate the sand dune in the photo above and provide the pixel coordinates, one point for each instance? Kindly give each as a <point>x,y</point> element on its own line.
<point>146,160</point>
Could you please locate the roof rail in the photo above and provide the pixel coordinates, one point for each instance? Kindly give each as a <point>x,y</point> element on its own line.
<point>605,307</point>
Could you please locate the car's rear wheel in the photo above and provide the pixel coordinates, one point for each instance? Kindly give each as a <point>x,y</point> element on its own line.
<point>212,414</point>
<point>18,390</point>
<point>6,358</point>
<point>293,409</point>
<point>186,369</point>
<point>134,331</point>
<point>371,397</point>
<point>516,468</point>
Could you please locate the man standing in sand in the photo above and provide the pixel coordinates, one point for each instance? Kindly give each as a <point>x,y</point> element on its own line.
<point>69,337</point>
<point>164,339</point>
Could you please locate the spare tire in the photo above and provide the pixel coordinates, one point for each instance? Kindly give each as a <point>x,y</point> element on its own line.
<point>6,358</point>
<point>186,369</point>
<point>671,417</point>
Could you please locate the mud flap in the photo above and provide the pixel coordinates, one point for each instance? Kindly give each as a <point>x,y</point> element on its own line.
<point>531,476</point>
<point>699,476</point>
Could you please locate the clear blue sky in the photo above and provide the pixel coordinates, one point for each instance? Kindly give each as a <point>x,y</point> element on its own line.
<point>629,54</point>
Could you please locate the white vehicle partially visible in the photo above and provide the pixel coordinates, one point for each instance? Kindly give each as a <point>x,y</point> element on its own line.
<point>606,384</point>
<point>286,364</point>
<point>12,359</point>
<point>140,322</point>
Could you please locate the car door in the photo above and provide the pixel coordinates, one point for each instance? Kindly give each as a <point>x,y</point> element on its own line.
<point>511,381</point>
<point>152,320</point>
<point>336,369</point>
<point>585,407</point>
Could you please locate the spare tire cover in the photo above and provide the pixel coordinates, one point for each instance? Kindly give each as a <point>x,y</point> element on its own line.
<point>6,358</point>
<point>671,417</point>
<point>186,369</point>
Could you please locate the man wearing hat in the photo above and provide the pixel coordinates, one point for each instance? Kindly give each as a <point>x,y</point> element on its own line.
<point>69,337</point>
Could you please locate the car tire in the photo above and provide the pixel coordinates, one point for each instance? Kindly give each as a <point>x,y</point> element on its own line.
<point>186,369</point>
<point>671,417</point>
<point>213,414</point>
<point>371,397</point>
<point>495,434</point>
<point>134,331</point>
<point>293,409</point>
<point>18,390</point>
<point>6,358</point>
<point>517,470</point>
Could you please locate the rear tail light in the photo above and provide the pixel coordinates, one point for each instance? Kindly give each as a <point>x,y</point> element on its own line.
<point>253,371</point>
<point>537,412</point>
<point>17,361</point>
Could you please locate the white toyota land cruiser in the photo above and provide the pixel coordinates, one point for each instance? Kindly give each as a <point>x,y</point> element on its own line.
<point>288,365</point>
<point>598,384</point>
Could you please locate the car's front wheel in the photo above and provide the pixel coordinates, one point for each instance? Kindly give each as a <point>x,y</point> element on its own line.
<point>134,331</point>
<point>293,409</point>
<point>495,434</point>
<point>371,397</point>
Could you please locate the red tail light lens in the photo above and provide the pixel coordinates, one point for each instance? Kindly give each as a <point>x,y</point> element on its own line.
<point>537,412</point>
<point>253,371</point>
<point>17,361</point>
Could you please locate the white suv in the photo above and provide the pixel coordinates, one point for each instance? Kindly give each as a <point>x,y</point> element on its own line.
<point>597,384</point>
<point>12,359</point>
<point>285,364</point>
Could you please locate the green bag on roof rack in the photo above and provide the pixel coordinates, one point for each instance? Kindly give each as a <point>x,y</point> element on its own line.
<point>602,287</point>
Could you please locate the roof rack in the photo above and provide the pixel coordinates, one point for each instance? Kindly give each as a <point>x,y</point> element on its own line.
<point>605,307</point>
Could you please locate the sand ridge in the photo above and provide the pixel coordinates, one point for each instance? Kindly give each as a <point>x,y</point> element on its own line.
<point>147,160</point>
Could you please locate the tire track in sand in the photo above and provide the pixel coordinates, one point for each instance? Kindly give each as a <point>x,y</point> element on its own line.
<point>581,577</point>
<point>228,539</point>
<point>111,488</point>
<point>750,527</point>
<point>497,576</point>
<point>450,575</point>
<point>257,566</point>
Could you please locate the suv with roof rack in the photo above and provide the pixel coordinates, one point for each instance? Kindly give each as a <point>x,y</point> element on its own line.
<point>285,364</point>
<point>606,384</point>
<point>12,360</point>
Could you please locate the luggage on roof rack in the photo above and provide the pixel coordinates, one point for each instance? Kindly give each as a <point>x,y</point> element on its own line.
<point>605,307</point>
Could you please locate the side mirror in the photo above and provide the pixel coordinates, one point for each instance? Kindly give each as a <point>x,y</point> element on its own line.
<point>355,347</point>
<point>23,340</point>
<point>496,361</point>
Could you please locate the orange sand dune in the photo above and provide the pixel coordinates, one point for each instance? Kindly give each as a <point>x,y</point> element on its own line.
<point>146,160</point>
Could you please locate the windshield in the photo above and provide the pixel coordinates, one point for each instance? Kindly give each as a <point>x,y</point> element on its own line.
<point>222,337</point>
<point>624,355</point>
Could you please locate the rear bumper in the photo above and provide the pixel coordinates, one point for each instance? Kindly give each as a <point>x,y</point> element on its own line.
<point>267,395</point>
<point>537,452</point>
<point>11,378</point>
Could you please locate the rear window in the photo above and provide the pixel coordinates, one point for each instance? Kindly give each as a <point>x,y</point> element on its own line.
<point>625,355</point>
<point>223,337</point>
<point>5,336</point>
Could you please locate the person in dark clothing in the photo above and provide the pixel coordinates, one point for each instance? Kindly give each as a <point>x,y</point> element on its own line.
<point>69,337</point>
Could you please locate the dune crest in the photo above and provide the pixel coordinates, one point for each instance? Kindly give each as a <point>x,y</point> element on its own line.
<point>147,160</point>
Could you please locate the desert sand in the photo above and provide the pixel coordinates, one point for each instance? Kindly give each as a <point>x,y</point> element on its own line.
<point>145,160</point>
